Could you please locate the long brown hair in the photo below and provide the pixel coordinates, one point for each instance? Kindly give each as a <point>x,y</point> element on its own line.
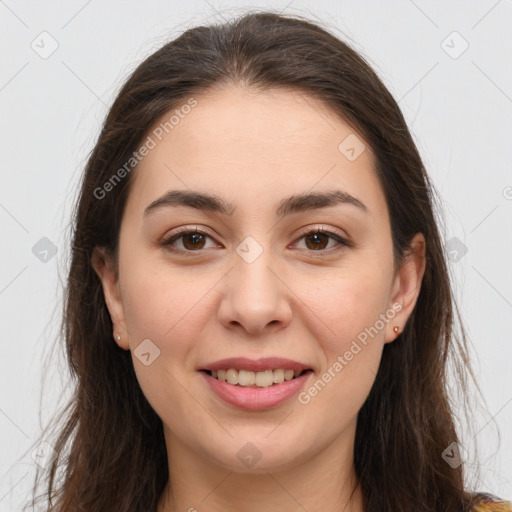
<point>110,451</point>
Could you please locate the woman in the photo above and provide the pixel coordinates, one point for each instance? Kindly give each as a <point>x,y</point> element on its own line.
<point>258,309</point>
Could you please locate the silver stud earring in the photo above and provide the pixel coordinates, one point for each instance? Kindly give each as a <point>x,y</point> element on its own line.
<point>119,337</point>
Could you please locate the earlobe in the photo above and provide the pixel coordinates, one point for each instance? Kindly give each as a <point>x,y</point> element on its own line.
<point>407,285</point>
<point>109,278</point>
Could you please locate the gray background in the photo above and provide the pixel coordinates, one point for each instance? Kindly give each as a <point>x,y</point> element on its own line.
<point>457,102</point>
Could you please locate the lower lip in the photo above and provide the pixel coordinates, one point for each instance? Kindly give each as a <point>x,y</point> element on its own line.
<point>256,399</point>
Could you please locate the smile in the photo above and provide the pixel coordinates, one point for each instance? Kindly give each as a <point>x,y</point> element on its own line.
<point>254,397</point>
<point>262,379</point>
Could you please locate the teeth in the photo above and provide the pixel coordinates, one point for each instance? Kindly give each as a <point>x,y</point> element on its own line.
<point>278,376</point>
<point>232,376</point>
<point>262,379</point>
<point>246,378</point>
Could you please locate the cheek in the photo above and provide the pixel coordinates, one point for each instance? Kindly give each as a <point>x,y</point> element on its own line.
<point>170,308</point>
<point>351,308</point>
<point>334,398</point>
<point>171,313</point>
<point>348,304</point>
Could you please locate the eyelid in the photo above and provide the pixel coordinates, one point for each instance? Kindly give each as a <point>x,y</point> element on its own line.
<point>321,228</point>
<point>342,240</point>
<point>188,229</point>
<point>177,233</point>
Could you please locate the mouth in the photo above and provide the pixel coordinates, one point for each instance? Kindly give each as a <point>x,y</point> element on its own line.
<point>260,379</point>
<point>256,385</point>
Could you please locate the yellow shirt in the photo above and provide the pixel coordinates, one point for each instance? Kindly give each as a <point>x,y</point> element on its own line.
<point>489,503</point>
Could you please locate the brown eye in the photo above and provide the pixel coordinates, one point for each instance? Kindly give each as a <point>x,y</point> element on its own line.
<point>319,241</point>
<point>192,240</point>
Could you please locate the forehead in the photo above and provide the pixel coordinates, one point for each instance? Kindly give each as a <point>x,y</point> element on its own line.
<point>284,120</point>
<point>271,143</point>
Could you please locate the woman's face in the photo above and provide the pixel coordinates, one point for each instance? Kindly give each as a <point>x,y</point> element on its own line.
<point>255,282</point>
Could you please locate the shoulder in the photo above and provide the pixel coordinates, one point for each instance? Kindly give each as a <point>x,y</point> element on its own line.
<point>488,503</point>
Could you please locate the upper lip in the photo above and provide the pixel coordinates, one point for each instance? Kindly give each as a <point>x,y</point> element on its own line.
<point>255,365</point>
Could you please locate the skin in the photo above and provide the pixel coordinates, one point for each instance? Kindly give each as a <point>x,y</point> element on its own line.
<point>254,149</point>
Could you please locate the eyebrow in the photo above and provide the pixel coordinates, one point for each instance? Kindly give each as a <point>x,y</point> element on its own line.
<point>293,204</point>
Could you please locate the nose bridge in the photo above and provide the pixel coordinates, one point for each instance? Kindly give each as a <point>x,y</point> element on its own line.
<point>254,295</point>
<point>252,275</point>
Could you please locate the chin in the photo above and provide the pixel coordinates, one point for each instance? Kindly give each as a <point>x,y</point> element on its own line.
<point>259,454</point>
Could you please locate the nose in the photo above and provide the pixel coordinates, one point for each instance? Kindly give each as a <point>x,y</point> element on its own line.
<point>255,297</point>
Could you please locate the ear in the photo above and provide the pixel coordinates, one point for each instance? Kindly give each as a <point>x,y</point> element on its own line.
<point>406,285</point>
<point>107,272</point>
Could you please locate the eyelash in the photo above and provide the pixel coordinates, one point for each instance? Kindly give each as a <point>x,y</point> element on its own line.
<point>342,242</point>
